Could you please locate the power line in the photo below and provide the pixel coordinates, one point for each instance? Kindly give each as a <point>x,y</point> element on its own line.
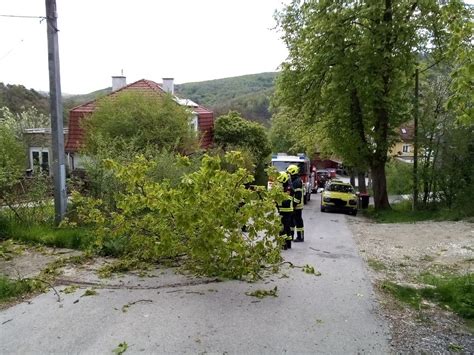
<point>41,18</point>
<point>24,16</point>
<point>11,50</point>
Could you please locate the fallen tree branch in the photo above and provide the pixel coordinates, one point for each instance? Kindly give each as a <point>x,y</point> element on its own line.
<point>50,285</point>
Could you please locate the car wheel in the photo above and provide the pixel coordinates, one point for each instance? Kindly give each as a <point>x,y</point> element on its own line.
<point>323,209</point>
<point>354,213</point>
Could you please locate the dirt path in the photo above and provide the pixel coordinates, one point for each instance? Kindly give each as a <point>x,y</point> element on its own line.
<point>400,253</point>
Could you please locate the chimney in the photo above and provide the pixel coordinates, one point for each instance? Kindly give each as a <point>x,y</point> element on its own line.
<point>118,82</point>
<point>168,85</point>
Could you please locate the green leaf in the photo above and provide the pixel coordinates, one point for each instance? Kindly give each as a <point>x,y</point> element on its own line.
<point>121,348</point>
<point>90,292</point>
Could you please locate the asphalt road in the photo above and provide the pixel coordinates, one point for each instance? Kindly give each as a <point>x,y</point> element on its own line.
<point>334,313</point>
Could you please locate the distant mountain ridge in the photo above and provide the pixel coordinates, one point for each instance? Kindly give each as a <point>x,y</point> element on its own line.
<point>18,99</point>
<point>248,94</point>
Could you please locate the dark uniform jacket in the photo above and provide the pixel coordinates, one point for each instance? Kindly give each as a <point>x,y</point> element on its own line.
<point>298,192</point>
<point>286,205</point>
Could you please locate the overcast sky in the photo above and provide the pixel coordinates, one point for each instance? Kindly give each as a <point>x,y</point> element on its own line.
<point>190,40</point>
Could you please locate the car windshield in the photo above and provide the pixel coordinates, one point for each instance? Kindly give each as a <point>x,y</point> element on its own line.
<point>323,172</point>
<point>340,188</point>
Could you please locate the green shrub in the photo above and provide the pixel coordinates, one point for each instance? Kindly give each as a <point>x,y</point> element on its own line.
<point>30,202</point>
<point>12,157</point>
<point>145,120</point>
<point>232,132</point>
<point>399,178</point>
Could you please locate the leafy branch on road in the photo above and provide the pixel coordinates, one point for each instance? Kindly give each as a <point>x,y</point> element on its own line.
<point>121,348</point>
<point>129,304</point>
<point>196,223</point>
<point>310,270</point>
<point>263,293</point>
<point>307,268</point>
<point>90,292</point>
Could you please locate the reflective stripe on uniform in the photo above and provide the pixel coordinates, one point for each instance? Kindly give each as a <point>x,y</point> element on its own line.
<point>299,203</point>
<point>286,209</point>
<point>300,229</point>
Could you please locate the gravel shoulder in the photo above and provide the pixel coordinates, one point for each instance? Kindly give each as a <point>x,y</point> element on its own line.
<point>400,252</point>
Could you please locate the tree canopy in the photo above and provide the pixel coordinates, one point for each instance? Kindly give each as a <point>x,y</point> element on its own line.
<point>144,119</point>
<point>233,131</point>
<point>19,121</point>
<point>12,158</point>
<point>350,71</point>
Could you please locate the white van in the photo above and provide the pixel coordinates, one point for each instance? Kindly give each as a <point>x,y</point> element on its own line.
<point>281,161</point>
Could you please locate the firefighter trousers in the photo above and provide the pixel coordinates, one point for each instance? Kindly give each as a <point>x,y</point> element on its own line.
<point>287,222</point>
<point>298,224</point>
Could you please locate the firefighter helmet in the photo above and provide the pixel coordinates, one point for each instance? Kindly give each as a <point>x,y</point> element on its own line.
<point>293,169</point>
<point>283,177</point>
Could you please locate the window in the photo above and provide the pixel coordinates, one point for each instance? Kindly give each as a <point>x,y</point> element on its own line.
<point>340,188</point>
<point>282,165</point>
<point>39,159</point>
<point>194,123</point>
<point>406,148</point>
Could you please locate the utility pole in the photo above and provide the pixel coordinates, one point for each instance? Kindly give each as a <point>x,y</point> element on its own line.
<point>55,97</point>
<point>415,140</point>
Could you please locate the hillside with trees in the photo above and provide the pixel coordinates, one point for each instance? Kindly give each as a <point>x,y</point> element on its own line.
<point>18,99</point>
<point>248,94</point>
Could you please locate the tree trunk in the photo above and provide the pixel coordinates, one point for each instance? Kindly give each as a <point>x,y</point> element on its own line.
<point>362,185</point>
<point>380,186</point>
<point>352,178</point>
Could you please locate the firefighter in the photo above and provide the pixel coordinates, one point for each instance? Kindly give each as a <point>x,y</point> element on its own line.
<point>298,202</point>
<point>286,209</point>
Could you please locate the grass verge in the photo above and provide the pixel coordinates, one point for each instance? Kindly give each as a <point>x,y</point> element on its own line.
<point>10,289</point>
<point>376,265</point>
<point>402,213</point>
<point>44,234</point>
<point>455,293</point>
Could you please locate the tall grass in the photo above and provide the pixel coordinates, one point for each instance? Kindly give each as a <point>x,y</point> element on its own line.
<point>43,232</point>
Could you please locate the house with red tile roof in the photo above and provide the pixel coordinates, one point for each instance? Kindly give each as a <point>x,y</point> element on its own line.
<point>202,118</point>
